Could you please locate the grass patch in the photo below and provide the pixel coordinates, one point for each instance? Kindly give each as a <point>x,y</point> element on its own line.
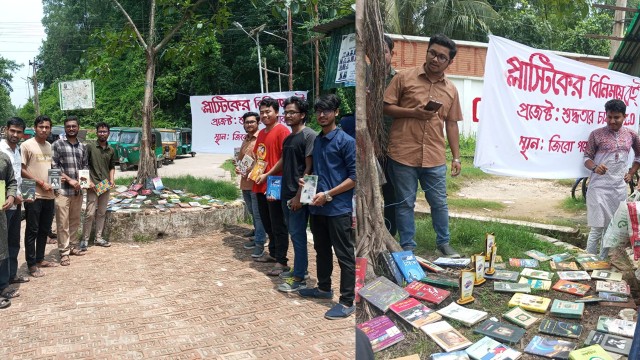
<point>468,173</point>
<point>475,204</point>
<point>142,238</point>
<point>230,167</point>
<point>199,186</point>
<point>566,182</point>
<point>573,205</point>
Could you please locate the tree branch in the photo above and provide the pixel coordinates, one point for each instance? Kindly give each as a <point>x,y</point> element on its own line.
<point>126,15</point>
<point>152,24</point>
<point>175,29</point>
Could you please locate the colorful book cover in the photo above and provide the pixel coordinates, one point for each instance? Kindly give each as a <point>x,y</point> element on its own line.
<point>157,183</point>
<point>382,293</point>
<point>511,287</point>
<point>408,265</point>
<point>446,336</point>
<point>616,326</point>
<point>606,296</point>
<point>245,164</point>
<point>382,332</point>
<point>28,189</point>
<point>561,257</point>
<point>536,284</point>
<point>531,263</point>
<point>135,187</point>
<point>361,272</point>
<point>589,299</point>
<point>454,355</point>
<point>613,287</point>
<point>258,169</point>
<point>440,280</point>
<point>609,342</point>
<point>571,287</point>
<point>490,349</point>
<point>389,268</point>
<point>426,292</point>
<point>468,317</point>
<point>560,328</point>
<point>503,275</point>
<point>84,178</point>
<point>535,254</point>
<point>442,261</point>
<point>593,352</point>
<point>309,189</point>
<point>550,348</point>
<point>414,312</point>
<point>530,302</point>
<point>428,265</point>
<point>274,187</point>
<point>505,333</point>
<point>574,275</point>
<point>520,317</point>
<point>567,309</point>
<point>604,275</point>
<point>536,274</point>
<point>563,266</point>
<point>54,179</point>
<point>595,265</point>
<point>104,185</point>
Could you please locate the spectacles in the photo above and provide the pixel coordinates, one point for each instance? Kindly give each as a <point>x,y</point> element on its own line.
<point>250,122</point>
<point>103,132</point>
<point>441,58</point>
<point>291,113</point>
<point>325,112</point>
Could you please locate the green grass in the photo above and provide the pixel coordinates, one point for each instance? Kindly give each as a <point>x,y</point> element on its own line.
<point>573,205</point>
<point>566,182</point>
<point>474,204</point>
<point>468,173</point>
<point>199,186</point>
<point>230,167</point>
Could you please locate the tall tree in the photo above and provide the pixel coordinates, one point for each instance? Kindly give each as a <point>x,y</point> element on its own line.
<point>459,19</point>
<point>7,67</point>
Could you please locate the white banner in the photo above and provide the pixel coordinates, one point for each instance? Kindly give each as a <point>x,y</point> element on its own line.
<point>347,61</point>
<point>216,121</point>
<point>538,109</point>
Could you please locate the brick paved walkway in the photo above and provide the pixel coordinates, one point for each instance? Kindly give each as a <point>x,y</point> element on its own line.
<point>200,298</point>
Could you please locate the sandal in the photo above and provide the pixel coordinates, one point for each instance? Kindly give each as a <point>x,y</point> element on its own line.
<point>64,260</point>
<point>266,258</point>
<point>5,303</point>
<point>45,264</point>
<point>19,280</point>
<point>77,252</point>
<point>278,269</point>
<point>36,272</point>
<point>10,293</point>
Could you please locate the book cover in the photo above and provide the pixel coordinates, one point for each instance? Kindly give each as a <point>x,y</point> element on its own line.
<point>426,292</point>
<point>520,317</point>
<point>616,326</point>
<point>28,189</point>
<point>574,275</point>
<point>274,187</point>
<point>530,263</point>
<point>194,204</point>
<point>490,349</point>
<point>446,336</point>
<point>606,296</point>
<point>84,178</point>
<point>530,302</point>
<point>454,355</point>
<point>309,189</point>
<point>258,169</point>
<point>560,328</point>
<point>361,272</point>
<point>589,299</point>
<point>468,317</point>
<point>135,187</point>
<point>563,266</point>
<point>382,332</point>
<point>613,287</point>
<point>389,268</point>
<point>428,265</point>
<point>54,179</point>
<point>440,280</point>
<point>157,183</point>
<point>536,284</point>
<point>571,287</point>
<point>505,333</point>
<point>245,164</point>
<point>414,312</point>
<point>567,309</point>
<point>489,242</point>
<point>593,352</point>
<point>408,265</point>
<point>236,152</point>
<point>611,343</point>
<point>561,257</point>
<point>595,265</point>
<point>606,275</point>
<point>503,275</point>
<point>536,274</point>
<point>550,348</point>
<point>103,186</point>
<point>535,254</point>
<point>442,261</point>
<point>382,293</point>
<point>511,287</point>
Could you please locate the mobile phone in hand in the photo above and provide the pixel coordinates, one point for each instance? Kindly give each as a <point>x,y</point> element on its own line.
<point>433,105</point>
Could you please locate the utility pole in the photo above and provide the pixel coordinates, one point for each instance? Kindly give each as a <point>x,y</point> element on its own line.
<point>290,46</point>
<point>317,59</point>
<point>618,27</point>
<point>266,75</point>
<point>36,101</point>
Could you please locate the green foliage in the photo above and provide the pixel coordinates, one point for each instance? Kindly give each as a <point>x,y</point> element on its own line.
<point>229,166</point>
<point>463,203</point>
<point>574,205</point>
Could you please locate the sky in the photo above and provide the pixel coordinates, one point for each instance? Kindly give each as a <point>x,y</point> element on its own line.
<point>21,34</point>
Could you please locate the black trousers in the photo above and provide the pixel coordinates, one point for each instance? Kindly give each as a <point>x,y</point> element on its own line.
<point>336,232</point>
<point>13,236</point>
<point>275,227</point>
<point>39,218</point>
<point>389,196</point>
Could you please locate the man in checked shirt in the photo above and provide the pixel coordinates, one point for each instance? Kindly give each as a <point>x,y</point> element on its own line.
<point>70,156</point>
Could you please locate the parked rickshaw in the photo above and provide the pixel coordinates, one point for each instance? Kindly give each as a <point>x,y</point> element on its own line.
<point>129,147</point>
<point>28,134</point>
<point>169,144</point>
<point>184,141</point>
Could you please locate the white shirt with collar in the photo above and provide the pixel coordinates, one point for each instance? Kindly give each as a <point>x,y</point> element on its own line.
<point>16,160</point>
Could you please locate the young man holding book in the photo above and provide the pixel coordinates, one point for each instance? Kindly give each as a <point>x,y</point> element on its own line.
<point>36,162</point>
<point>296,163</point>
<point>334,161</point>
<point>102,171</point>
<point>70,156</point>
<point>269,150</point>
<point>250,124</point>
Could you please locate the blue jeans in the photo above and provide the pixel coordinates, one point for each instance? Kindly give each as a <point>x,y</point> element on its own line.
<point>252,204</point>
<point>433,183</point>
<point>296,222</point>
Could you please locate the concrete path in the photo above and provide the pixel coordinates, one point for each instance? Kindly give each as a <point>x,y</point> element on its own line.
<point>202,165</point>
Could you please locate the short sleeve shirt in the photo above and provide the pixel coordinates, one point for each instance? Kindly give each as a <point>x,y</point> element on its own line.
<point>296,148</point>
<point>247,149</point>
<point>269,148</point>
<point>36,158</point>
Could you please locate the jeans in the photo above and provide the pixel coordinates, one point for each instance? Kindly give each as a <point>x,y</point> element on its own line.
<point>296,222</point>
<point>39,219</point>
<point>273,221</point>
<point>251,203</point>
<point>13,237</point>
<point>68,210</point>
<point>336,232</point>
<point>433,183</point>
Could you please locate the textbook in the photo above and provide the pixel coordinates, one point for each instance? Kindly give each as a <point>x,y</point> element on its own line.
<point>309,189</point>
<point>604,275</point>
<point>520,317</point>
<point>428,265</point>
<point>361,272</point>
<point>440,280</point>
<point>571,287</point>
<point>592,352</point>
<point>611,343</point>
<point>426,292</point>
<point>468,317</point>
<point>503,275</point>
<point>54,179</point>
<point>274,187</point>
<point>442,261</point>
<point>563,265</point>
<point>530,302</point>
<point>382,332</point>
<point>446,336</point>
<point>414,312</point>
<point>536,274</point>
<point>567,309</point>
<point>523,262</point>
<point>408,265</point>
<point>613,287</point>
<point>382,293</point>
<point>389,268</point>
<point>454,355</point>
<point>489,349</point>
<point>560,328</point>
<point>616,326</point>
<point>258,169</point>
<point>511,287</point>
<point>84,178</point>
<point>505,333</point>
<point>574,275</point>
<point>535,254</point>
<point>536,284</point>
<point>28,189</point>
<point>550,348</point>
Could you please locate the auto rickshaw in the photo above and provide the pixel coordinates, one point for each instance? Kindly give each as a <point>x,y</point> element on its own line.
<point>28,134</point>
<point>184,141</point>
<point>169,144</point>
<point>129,147</point>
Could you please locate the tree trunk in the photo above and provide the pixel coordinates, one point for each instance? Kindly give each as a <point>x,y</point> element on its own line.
<point>147,167</point>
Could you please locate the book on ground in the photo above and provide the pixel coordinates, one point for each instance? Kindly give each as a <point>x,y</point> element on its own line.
<point>613,287</point>
<point>536,274</point>
<point>571,287</point>
<point>561,257</point>
<point>490,349</point>
<point>504,333</point>
<point>609,342</point>
<point>274,187</point>
<point>408,265</point>
<point>563,265</point>
<point>309,189</point>
<point>511,287</point>
<point>454,355</point>
<point>382,332</point>
<point>616,326</point>
<point>468,317</point>
<point>54,179</point>
<point>503,275</point>
<point>560,328</point>
<point>426,292</point>
<point>440,280</point>
<point>414,312</point>
<point>382,293</point>
<point>606,296</point>
<point>28,189</point>
<point>532,263</point>
<point>157,183</point>
<point>389,268</point>
<point>428,265</point>
<point>538,255</point>
<point>574,275</point>
<point>520,317</point>
<point>595,265</point>
<point>604,275</point>
<point>593,352</point>
<point>442,261</point>
<point>567,309</point>
<point>536,284</point>
<point>550,348</point>
<point>361,272</point>
<point>84,178</point>
<point>530,302</point>
<point>589,299</point>
<point>446,336</point>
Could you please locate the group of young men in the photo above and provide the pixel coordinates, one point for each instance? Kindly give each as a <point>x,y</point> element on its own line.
<point>32,160</point>
<point>292,154</point>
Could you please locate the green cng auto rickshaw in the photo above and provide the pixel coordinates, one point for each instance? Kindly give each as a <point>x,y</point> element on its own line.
<point>184,141</point>
<point>129,147</point>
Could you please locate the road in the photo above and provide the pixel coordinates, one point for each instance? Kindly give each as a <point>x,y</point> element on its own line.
<point>201,165</point>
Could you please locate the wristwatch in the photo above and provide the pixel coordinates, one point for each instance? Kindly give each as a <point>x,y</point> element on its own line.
<point>594,168</point>
<point>327,196</point>
<point>456,160</point>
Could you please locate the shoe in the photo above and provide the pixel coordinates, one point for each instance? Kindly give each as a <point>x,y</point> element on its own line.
<point>291,285</point>
<point>339,311</point>
<point>447,251</point>
<point>289,275</point>
<point>84,246</point>
<point>408,248</point>
<point>278,269</point>
<point>266,258</point>
<point>52,235</point>
<point>316,293</point>
<point>77,252</point>
<point>249,234</point>
<point>258,251</point>
<point>249,245</point>
<point>18,280</point>
<point>103,243</point>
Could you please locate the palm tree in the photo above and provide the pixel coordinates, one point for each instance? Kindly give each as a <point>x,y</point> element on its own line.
<point>403,16</point>
<point>459,19</point>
